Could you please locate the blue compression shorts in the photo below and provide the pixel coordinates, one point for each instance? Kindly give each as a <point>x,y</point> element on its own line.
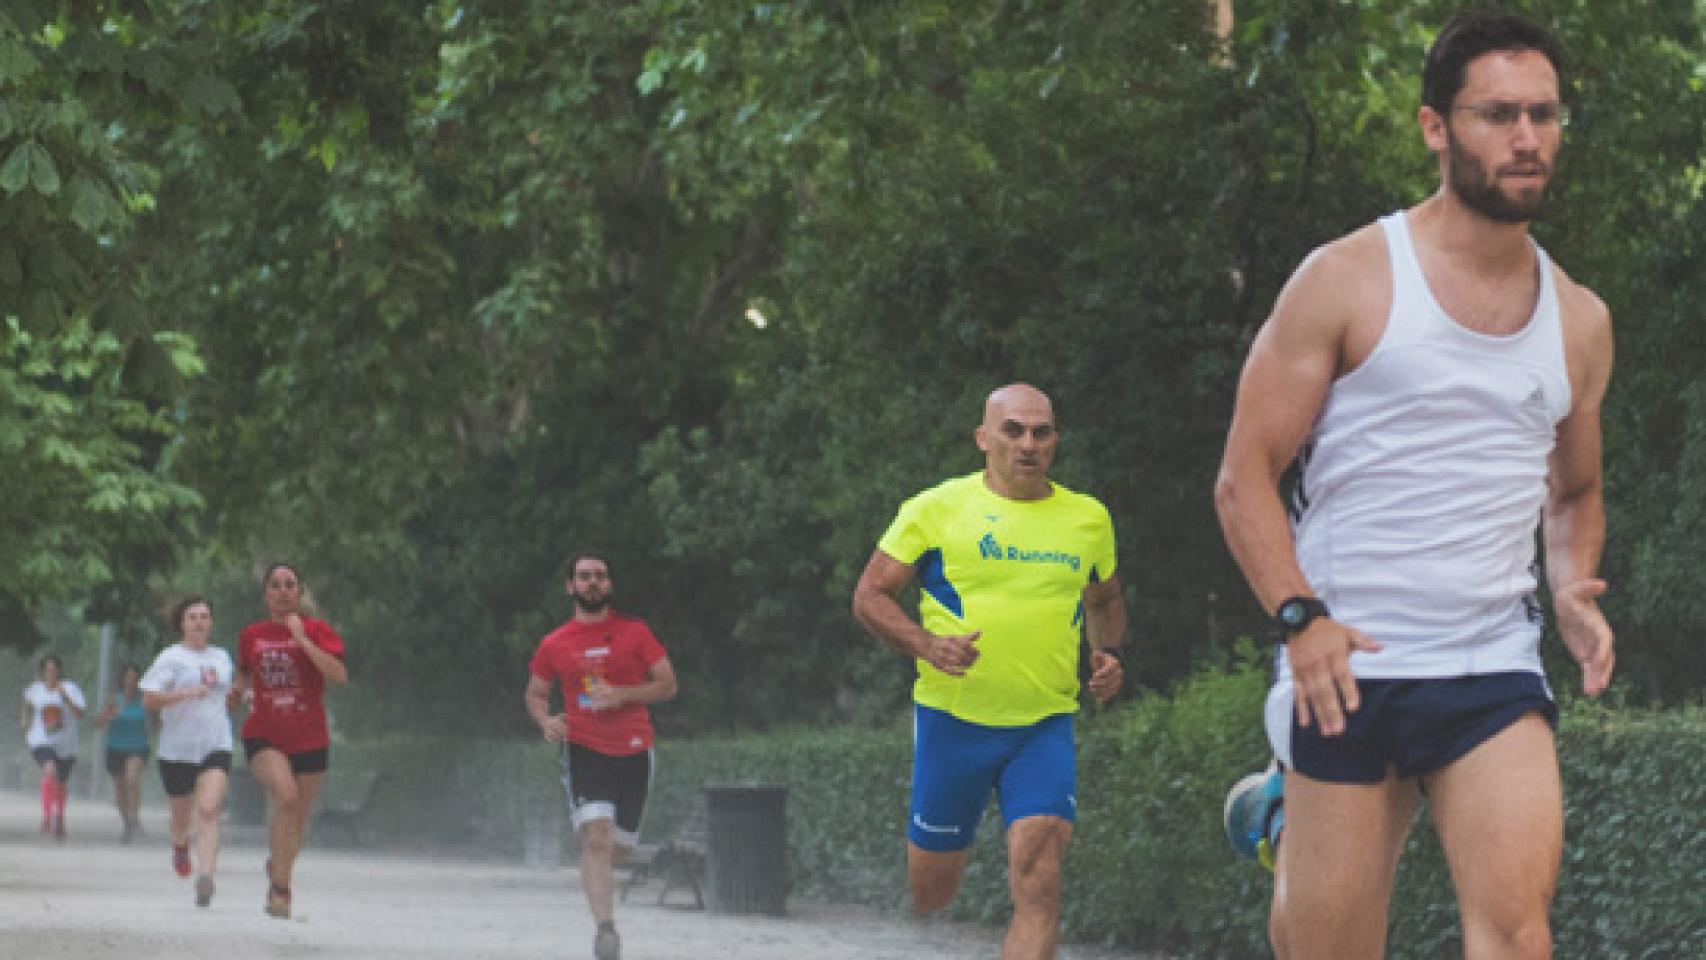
<point>1033,771</point>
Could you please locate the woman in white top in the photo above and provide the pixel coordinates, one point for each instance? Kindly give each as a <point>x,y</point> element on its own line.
<point>52,707</point>
<point>190,684</point>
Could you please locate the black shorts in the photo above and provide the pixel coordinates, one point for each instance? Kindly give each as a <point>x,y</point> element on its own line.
<point>603,787</point>
<point>1416,727</point>
<point>179,776</point>
<point>308,761</point>
<point>116,760</point>
<point>62,765</point>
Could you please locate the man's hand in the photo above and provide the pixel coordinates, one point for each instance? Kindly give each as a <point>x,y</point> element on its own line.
<point>554,728</point>
<point>1106,676</point>
<point>603,696</point>
<point>1586,633</point>
<point>1321,673</point>
<point>953,655</point>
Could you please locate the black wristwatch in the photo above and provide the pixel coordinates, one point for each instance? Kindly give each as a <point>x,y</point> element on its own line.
<point>1294,614</point>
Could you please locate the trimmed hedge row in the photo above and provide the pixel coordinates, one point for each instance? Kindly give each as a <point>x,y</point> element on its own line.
<point>1148,867</point>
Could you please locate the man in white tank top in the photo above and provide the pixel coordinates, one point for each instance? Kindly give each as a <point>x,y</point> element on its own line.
<point>1438,379</point>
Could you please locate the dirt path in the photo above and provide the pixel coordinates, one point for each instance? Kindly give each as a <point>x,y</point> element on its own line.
<point>92,898</point>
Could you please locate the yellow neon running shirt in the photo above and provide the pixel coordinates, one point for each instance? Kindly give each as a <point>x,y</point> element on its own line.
<point>1015,569</point>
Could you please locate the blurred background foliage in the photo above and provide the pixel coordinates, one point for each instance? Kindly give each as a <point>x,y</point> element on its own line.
<point>424,297</point>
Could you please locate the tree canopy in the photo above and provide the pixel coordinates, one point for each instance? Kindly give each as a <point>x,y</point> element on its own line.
<point>425,296</point>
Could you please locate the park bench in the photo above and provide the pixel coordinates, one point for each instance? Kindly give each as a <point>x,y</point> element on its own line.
<point>679,861</point>
<point>344,810</point>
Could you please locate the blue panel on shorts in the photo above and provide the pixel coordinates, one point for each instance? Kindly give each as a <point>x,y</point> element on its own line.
<point>956,764</point>
<point>1418,726</point>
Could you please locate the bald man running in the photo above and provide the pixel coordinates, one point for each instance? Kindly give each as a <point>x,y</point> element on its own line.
<point>1012,565</point>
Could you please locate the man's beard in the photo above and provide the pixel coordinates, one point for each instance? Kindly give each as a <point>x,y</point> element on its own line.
<point>592,604</point>
<point>1481,194</point>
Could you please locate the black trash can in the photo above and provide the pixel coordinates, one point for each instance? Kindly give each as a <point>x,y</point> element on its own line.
<point>746,849</point>
<point>248,800</point>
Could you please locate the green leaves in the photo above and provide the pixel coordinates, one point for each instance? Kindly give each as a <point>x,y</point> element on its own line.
<point>82,408</point>
<point>15,173</point>
<point>209,95</point>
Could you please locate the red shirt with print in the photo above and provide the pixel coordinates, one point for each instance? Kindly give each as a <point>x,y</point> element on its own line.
<point>619,650</point>
<point>289,710</point>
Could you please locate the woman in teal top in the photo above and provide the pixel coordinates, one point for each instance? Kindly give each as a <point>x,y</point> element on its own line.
<point>126,724</point>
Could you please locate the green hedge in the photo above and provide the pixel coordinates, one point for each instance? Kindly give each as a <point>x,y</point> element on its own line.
<point>1148,867</point>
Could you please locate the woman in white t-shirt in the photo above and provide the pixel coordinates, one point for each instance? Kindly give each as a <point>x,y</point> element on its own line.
<point>190,684</point>
<point>52,707</point>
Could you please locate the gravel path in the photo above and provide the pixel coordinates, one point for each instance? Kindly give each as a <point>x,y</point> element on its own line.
<point>92,898</point>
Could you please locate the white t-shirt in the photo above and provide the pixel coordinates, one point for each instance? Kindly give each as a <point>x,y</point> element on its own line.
<point>52,724</point>
<point>192,729</point>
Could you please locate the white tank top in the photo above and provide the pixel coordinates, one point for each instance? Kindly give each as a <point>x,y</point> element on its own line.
<point>1423,481</point>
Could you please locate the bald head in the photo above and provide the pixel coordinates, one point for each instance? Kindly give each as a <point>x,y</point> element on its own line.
<point>1018,438</point>
<point>1016,399</point>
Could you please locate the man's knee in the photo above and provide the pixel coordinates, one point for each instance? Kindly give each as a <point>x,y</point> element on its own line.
<point>930,894</point>
<point>1036,853</point>
<point>1035,874</point>
<point>1528,938</point>
<point>933,877</point>
<point>598,840</point>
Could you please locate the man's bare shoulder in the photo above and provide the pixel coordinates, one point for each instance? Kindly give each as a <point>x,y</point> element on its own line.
<point>1582,309</point>
<point>1341,281</point>
<point>1350,258</point>
<point>1587,337</point>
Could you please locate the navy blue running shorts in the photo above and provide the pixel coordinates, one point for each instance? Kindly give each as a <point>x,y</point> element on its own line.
<point>1418,726</point>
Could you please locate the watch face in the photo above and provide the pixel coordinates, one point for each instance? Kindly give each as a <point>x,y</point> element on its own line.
<point>1292,614</point>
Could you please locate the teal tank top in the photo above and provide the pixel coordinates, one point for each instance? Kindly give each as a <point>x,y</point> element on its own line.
<point>128,731</point>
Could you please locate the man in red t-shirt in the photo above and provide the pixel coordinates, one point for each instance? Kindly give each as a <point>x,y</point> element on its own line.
<point>609,668</point>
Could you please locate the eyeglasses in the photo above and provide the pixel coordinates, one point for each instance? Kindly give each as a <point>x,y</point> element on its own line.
<point>1505,114</point>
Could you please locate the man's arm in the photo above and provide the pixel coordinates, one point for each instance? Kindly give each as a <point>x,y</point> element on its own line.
<point>1292,363</point>
<point>1104,624</point>
<point>876,604</point>
<point>1574,520</point>
<point>538,701</point>
<point>659,686</point>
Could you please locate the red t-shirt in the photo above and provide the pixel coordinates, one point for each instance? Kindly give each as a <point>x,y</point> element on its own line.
<point>289,710</point>
<point>622,651</point>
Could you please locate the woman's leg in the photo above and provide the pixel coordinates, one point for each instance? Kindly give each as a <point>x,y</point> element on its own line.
<point>182,808</point>
<point>132,811</point>
<point>62,792</point>
<point>284,856</point>
<point>209,800</point>
<point>271,769</point>
<point>49,792</point>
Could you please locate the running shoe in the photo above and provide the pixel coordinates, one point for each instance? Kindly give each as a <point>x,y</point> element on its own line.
<point>607,945</point>
<point>181,859</point>
<point>1255,814</point>
<point>203,890</point>
<point>278,902</point>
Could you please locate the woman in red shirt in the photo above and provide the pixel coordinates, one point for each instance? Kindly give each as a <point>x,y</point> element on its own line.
<point>285,662</point>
